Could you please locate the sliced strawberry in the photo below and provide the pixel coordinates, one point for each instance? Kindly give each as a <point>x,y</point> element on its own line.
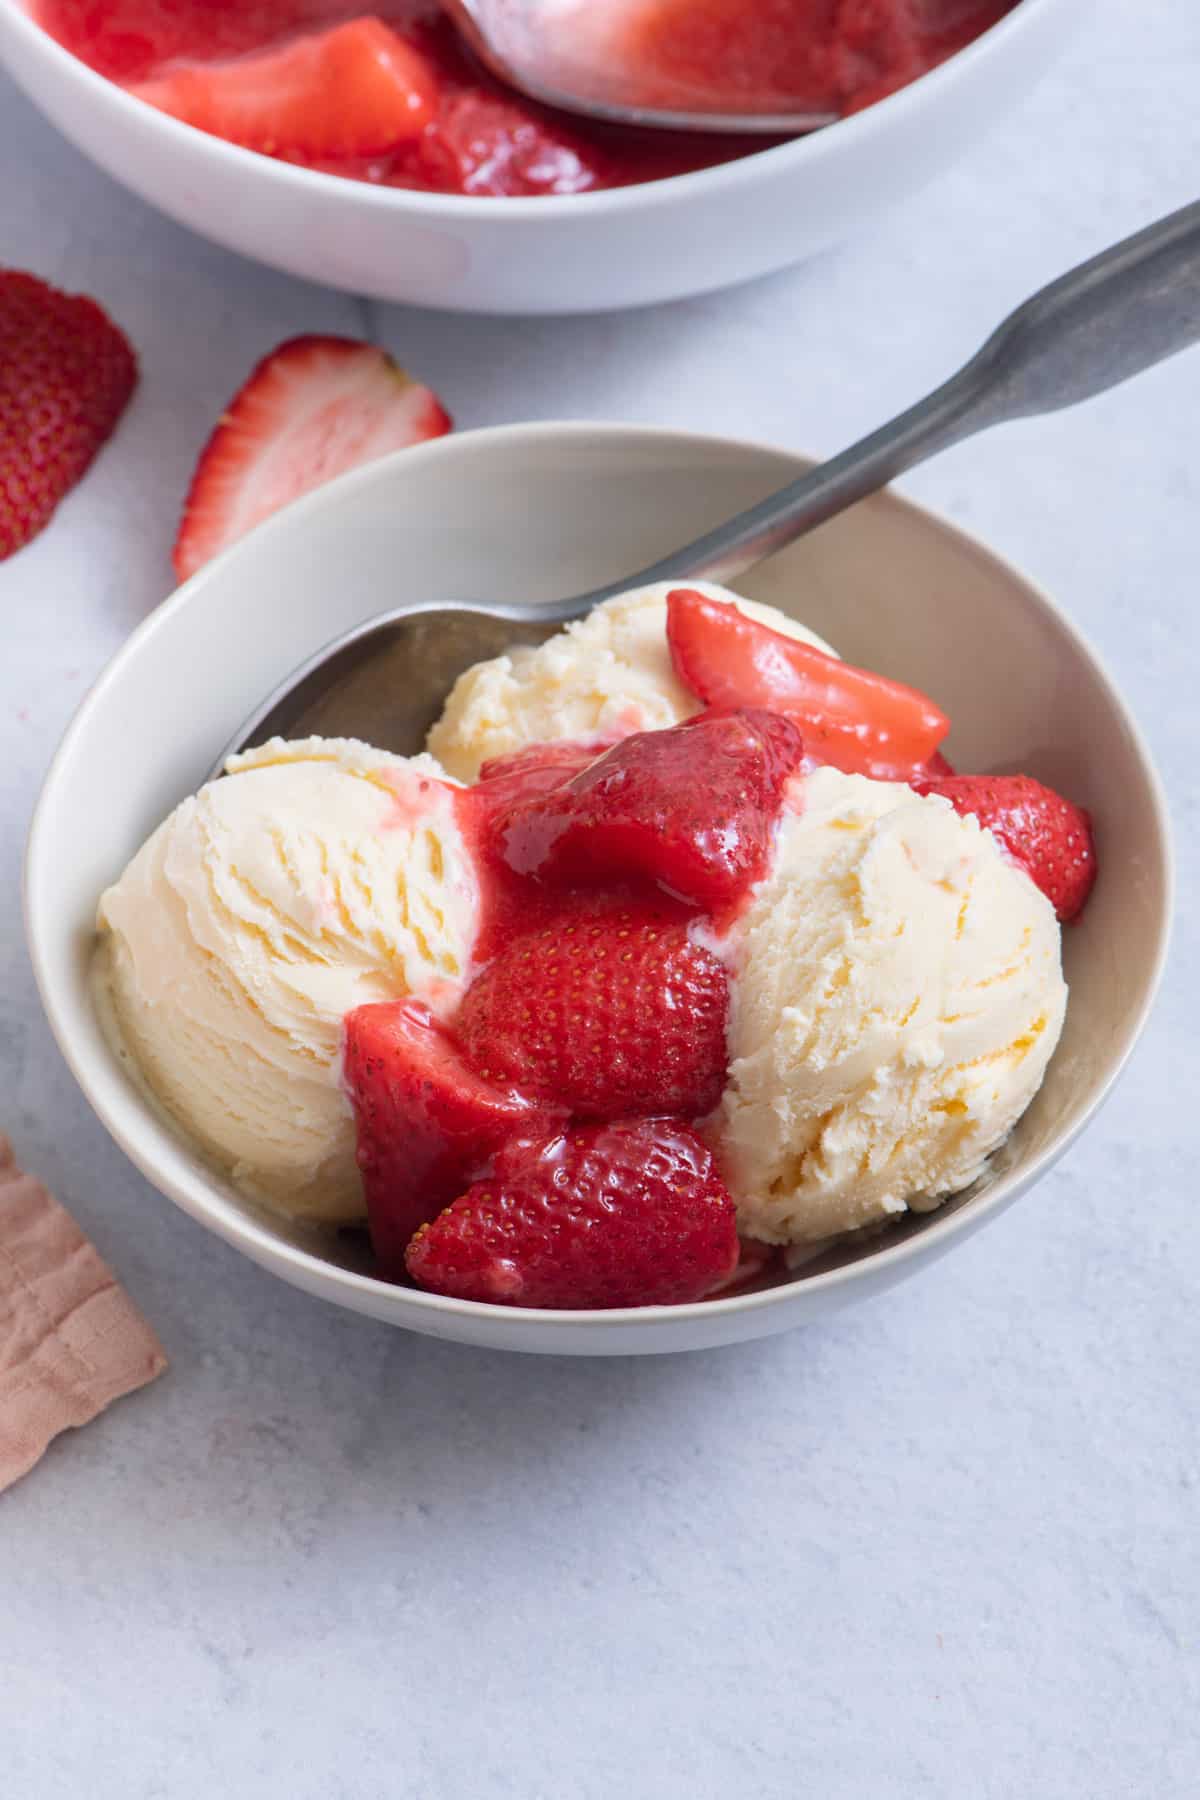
<point>426,1121</point>
<point>1051,838</point>
<point>312,409</point>
<point>625,1214</point>
<point>66,374</point>
<point>609,1010</point>
<point>693,807</point>
<point>354,90</point>
<point>855,720</point>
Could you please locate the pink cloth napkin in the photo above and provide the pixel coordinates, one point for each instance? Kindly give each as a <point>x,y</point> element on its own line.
<point>70,1340</point>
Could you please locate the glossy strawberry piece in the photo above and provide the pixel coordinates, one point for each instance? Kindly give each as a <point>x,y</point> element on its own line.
<point>1050,837</point>
<point>511,904</point>
<point>506,781</point>
<point>608,1010</point>
<point>484,143</point>
<point>625,1214</point>
<point>354,90</point>
<point>426,1120</point>
<point>851,718</point>
<point>693,808</point>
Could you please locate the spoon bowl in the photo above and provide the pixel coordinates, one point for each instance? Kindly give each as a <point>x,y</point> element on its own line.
<point>551,52</point>
<point>386,681</point>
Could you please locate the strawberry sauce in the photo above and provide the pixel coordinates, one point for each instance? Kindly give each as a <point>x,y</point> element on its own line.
<point>481,139</point>
<point>682,818</point>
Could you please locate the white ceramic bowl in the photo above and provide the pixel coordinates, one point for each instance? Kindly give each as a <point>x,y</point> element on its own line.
<point>533,512</point>
<point>579,253</point>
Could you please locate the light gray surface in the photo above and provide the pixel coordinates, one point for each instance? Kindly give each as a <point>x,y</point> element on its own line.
<point>942,1546</point>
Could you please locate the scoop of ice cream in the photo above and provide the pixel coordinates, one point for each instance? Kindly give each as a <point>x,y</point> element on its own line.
<point>313,877</point>
<point>896,995</point>
<point>603,676</point>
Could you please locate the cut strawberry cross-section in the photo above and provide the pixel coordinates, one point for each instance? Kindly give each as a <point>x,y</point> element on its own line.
<point>858,721</point>
<point>355,90</point>
<point>312,409</point>
<point>1051,838</point>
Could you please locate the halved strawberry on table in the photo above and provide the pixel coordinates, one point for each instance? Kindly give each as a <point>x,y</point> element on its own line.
<point>631,1213</point>
<point>313,409</point>
<point>66,376</point>
<point>354,90</point>
<point>853,719</point>
<point>426,1120</point>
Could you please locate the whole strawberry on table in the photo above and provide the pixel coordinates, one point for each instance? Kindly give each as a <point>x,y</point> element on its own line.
<point>66,376</point>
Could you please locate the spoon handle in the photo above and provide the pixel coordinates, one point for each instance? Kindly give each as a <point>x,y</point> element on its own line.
<point>1110,318</point>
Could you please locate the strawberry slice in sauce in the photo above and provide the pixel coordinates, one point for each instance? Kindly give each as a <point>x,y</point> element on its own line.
<point>693,808</point>
<point>314,408</point>
<point>426,1120</point>
<point>855,720</point>
<point>355,90</point>
<point>632,1213</point>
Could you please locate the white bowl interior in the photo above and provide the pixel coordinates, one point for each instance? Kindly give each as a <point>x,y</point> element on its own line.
<point>531,513</point>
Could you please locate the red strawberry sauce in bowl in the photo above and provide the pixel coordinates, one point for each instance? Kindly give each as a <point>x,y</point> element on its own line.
<point>593,1004</point>
<point>300,80</point>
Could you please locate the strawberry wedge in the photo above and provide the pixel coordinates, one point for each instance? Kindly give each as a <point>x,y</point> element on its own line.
<point>1048,836</point>
<point>356,90</point>
<point>632,1213</point>
<point>312,409</point>
<point>425,1119</point>
<point>855,720</point>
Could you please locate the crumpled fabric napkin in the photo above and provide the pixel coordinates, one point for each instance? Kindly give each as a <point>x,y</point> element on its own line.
<point>70,1339</point>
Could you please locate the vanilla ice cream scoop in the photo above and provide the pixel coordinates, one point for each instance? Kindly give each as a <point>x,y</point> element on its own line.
<point>603,676</point>
<point>313,877</point>
<point>896,995</point>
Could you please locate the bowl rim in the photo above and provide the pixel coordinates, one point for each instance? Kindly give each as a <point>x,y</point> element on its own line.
<point>245,1232</point>
<point>640,196</point>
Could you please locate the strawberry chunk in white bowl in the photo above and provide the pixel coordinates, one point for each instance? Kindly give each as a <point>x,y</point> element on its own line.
<point>892,587</point>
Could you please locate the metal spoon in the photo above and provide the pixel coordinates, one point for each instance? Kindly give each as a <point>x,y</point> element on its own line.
<point>1127,309</point>
<point>557,52</point>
